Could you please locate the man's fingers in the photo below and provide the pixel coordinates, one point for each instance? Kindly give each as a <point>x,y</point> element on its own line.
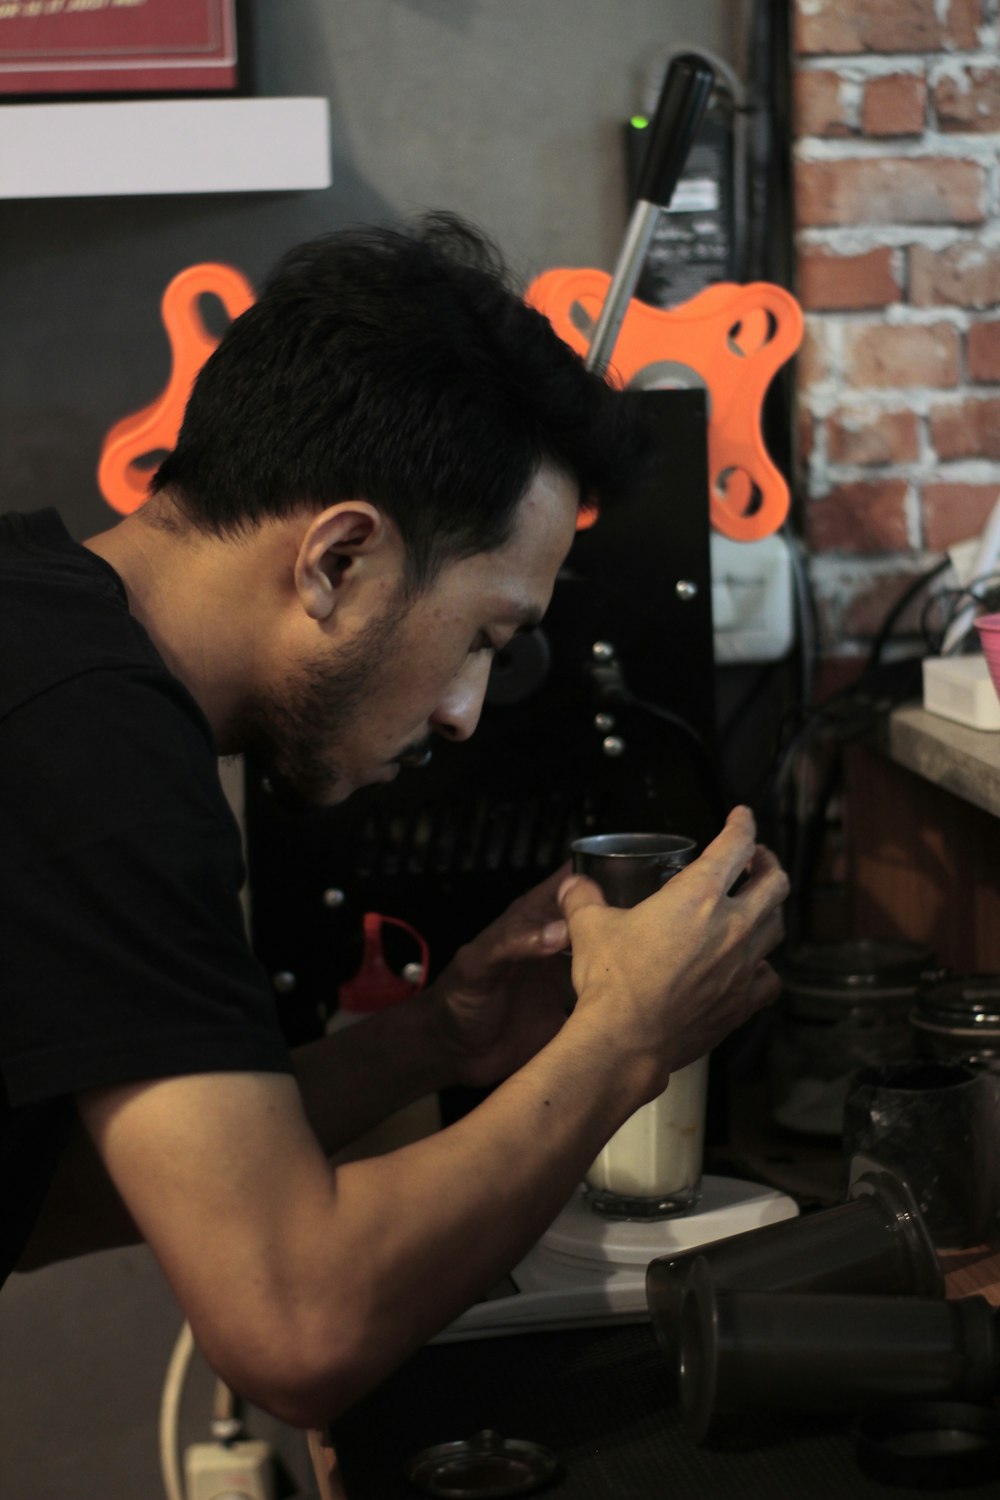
<point>766,886</point>
<point>766,936</point>
<point>578,892</point>
<point>732,850</point>
<point>765,986</point>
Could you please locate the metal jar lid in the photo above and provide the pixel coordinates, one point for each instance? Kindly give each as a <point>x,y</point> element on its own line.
<point>960,1002</point>
<point>486,1464</point>
<point>930,1444</point>
<point>859,966</point>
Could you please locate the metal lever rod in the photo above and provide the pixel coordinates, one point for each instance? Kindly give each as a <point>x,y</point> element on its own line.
<point>683,99</point>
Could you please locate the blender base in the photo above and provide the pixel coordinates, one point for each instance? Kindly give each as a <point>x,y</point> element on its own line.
<point>588,1269</point>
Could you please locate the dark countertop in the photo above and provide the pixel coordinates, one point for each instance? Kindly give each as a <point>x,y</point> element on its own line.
<point>604,1400</point>
<point>601,1400</point>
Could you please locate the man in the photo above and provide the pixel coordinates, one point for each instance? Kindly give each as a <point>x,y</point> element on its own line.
<point>377,479</point>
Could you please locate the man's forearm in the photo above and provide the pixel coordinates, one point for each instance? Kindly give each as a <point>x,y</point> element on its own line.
<point>414,1237</point>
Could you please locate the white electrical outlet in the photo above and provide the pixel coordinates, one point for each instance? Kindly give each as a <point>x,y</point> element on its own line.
<point>229,1471</point>
<point>752,599</point>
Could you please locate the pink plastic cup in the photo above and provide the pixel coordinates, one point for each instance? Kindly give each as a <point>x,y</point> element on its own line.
<point>989,635</point>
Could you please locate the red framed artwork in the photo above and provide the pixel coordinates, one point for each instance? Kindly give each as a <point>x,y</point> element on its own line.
<point>102,48</point>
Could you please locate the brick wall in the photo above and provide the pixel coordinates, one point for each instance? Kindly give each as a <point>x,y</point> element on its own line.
<point>897,185</point>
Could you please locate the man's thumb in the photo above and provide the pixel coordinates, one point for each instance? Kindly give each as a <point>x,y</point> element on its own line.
<point>577,892</point>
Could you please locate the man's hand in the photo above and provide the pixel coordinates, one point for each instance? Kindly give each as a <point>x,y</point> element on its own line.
<point>681,970</point>
<point>505,994</point>
<point>670,978</point>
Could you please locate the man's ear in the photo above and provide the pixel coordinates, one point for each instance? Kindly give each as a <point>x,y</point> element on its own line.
<point>332,544</point>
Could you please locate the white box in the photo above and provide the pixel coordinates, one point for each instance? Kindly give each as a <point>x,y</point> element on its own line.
<point>960,688</point>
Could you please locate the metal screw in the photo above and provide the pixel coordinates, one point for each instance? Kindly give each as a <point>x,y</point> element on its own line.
<point>603,651</point>
<point>686,589</point>
<point>604,722</point>
<point>413,973</point>
<point>265,785</point>
<point>284,981</point>
<point>333,897</point>
<point>613,745</point>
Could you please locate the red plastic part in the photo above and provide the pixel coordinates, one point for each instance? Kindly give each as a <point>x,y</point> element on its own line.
<point>375,986</point>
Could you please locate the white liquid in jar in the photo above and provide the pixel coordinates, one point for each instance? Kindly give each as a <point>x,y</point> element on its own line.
<point>659,1149</point>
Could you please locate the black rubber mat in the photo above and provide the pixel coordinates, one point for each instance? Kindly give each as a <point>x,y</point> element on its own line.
<point>602,1401</point>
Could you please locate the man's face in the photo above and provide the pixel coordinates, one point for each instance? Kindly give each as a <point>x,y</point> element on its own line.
<point>352,715</point>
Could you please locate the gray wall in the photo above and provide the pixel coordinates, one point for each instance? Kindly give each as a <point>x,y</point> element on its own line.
<point>508,111</point>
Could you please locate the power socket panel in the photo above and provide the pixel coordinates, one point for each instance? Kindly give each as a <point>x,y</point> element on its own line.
<point>229,1471</point>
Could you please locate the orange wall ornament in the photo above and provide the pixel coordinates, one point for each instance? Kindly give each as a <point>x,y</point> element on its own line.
<point>127,457</point>
<point>730,340</point>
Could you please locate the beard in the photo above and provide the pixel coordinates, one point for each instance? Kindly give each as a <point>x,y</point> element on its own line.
<point>292,734</point>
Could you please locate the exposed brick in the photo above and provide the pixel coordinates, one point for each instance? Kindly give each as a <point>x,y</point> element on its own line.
<point>805,432</point>
<point>890,190</point>
<point>971,103</point>
<point>956,512</point>
<point>856,436</point>
<point>847,26</point>
<point>964,275</point>
<point>863,517</point>
<point>883,355</point>
<point>828,613</point>
<point>969,430</point>
<point>812,361</point>
<point>865,613</point>
<point>983,351</point>
<point>822,106</point>
<point>832,281</point>
<point>962,22</point>
<point>894,105</point>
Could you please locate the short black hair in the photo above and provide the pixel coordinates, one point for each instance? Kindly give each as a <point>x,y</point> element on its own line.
<point>398,365</point>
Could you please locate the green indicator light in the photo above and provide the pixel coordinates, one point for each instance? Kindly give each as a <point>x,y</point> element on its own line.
<point>638,122</point>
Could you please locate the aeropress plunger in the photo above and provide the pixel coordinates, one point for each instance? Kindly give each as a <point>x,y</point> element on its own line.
<point>753,1352</point>
<point>876,1242</point>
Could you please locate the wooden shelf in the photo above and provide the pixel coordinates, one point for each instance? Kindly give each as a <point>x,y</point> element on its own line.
<point>959,760</point>
<point>151,147</point>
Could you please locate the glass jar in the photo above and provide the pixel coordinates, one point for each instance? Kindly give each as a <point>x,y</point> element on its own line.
<point>651,1167</point>
<point>844,1006</point>
<point>956,1018</point>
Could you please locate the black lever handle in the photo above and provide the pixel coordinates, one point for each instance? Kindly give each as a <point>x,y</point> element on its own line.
<point>682,102</point>
<point>683,99</point>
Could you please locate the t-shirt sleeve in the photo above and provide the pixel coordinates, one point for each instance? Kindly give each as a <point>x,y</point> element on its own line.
<point>123,954</point>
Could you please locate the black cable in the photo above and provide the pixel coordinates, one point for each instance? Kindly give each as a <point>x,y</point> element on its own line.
<point>709,761</point>
<point>959,598</point>
<point>612,691</point>
<point>750,696</point>
<point>905,599</point>
<point>842,717</point>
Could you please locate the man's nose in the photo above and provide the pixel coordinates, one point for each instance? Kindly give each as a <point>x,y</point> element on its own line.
<point>457,714</point>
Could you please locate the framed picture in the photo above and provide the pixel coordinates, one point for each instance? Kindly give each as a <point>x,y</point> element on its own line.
<point>72,49</point>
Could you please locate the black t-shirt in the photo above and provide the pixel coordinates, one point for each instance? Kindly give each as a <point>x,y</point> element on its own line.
<point>123,954</point>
